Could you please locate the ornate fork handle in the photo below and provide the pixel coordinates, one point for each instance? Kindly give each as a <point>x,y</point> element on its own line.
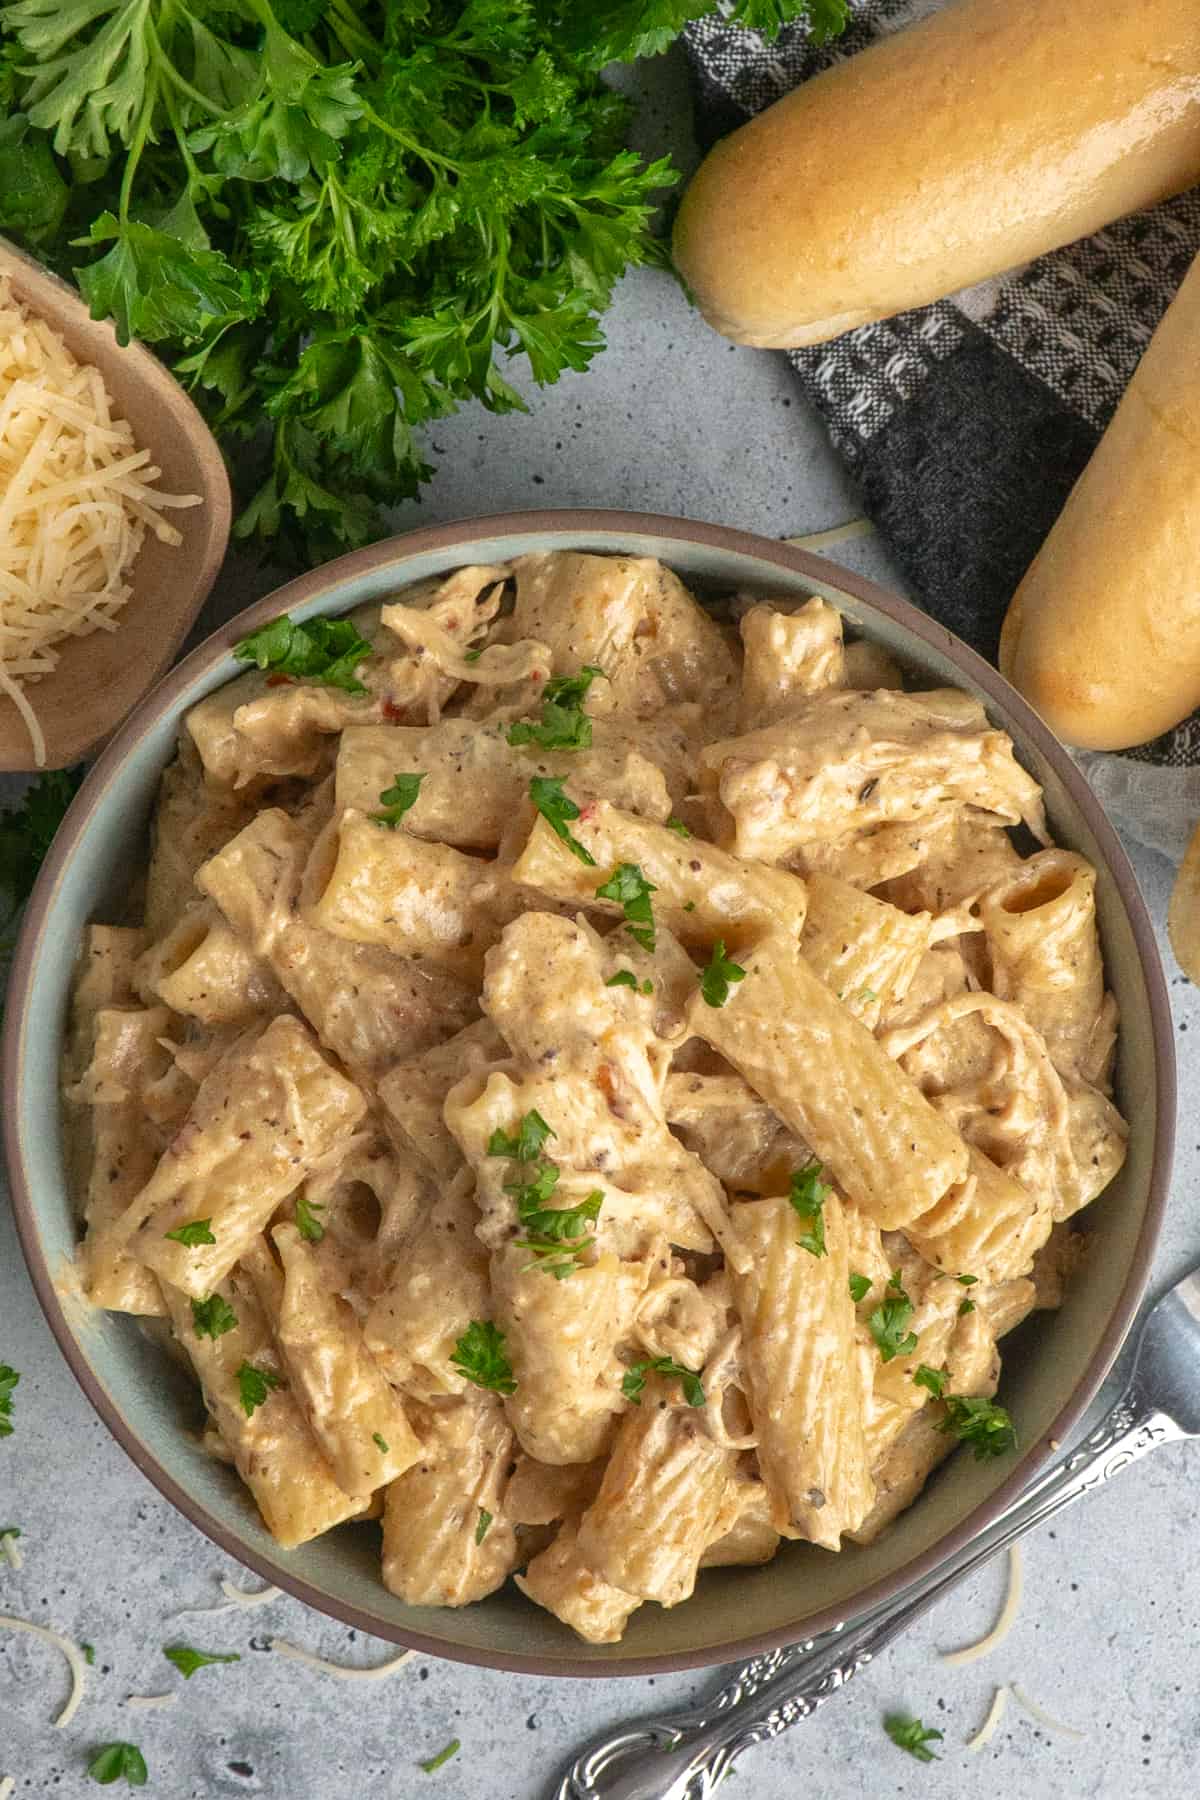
<point>683,1756</point>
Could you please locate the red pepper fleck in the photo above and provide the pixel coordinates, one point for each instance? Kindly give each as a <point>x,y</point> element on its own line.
<point>392,713</point>
<point>587,811</point>
<point>278,680</point>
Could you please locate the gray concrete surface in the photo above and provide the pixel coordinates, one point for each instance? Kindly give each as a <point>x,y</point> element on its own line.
<point>672,420</point>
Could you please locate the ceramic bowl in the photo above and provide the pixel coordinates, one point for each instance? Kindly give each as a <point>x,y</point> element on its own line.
<point>1053,1366</point>
<point>100,678</point>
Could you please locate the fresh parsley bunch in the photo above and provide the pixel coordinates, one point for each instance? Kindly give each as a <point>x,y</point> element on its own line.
<point>337,218</point>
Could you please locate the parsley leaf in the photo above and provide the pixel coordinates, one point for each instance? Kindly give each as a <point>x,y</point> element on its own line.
<point>558,809</point>
<point>860,1287</point>
<point>888,1324</point>
<point>933,1379</point>
<point>909,1734</point>
<point>89,1654</point>
<point>443,1756</point>
<point>678,827</point>
<point>380,1443</point>
<point>254,1385</point>
<point>27,831</point>
<point>627,978</point>
<point>195,1232</point>
<point>325,651</point>
<point>527,1145</point>
<point>966,1280</point>
<point>187,1660</point>
<point>480,1355</point>
<point>559,1233</point>
<point>114,1761</point>
<point>397,799</point>
<point>808,1194</point>
<point>213,1317</point>
<point>717,976</point>
<point>630,889</point>
<point>634,1380</point>
<point>965,1307</point>
<point>980,1423</point>
<point>484,1524</point>
<point>8,1381</point>
<point>307,1222</point>
<point>565,725</point>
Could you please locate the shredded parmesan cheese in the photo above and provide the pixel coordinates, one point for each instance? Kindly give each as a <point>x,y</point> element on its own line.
<point>991,1724</point>
<point>245,1598</point>
<point>70,1650</point>
<point>77,497</point>
<point>12,1551</point>
<point>1004,1624</point>
<point>1042,1716</point>
<point>146,1702</point>
<point>837,534</point>
<point>7,1785</point>
<point>341,1670</point>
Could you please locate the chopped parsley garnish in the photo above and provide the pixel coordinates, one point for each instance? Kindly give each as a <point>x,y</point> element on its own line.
<point>565,725</point>
<point>866,995</point>
<point>558,1234</point>
<point>484,1524</point>
<point>635,1379</point>
<point>966,1280</point>
<point>396,800</point>
<point>527,1145</point>
<point>472,655</point>
<point>678,827</point>
<point>89,1654</point>
<point>980,1423</point>
<point>808,1194</point>
<point>558,810</point>
<point>933,1379</point>
<point>630,889</point>
<point>860,1287</point>
<point>443,1756</point>
<point>909,1734</point>
<point>689,906</point>
<point>627,978</point>
<point>195,1232</point>
<point>307,1222</point>
<point>327,651</point>
<point>8,1381</point>
<point>480,1355</point>
<point>888,1324</point>
<point>965,1307</point>
<point>718,974</point>
<point>187,1660</point>
<point>254,1385</point>
<point>13,1531</point>
<point>112,1761</point>
<point>212,1317</point>
<point>380,1443</point>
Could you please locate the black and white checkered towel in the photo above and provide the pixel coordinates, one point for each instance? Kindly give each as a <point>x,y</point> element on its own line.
<point>966,423</point>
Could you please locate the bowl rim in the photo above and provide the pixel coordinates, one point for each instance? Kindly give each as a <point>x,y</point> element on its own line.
<point>580,524</point>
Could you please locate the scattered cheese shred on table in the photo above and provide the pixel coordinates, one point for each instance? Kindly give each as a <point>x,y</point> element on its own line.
<point>1042,1716</point>
<point>7,1785</point>
<point>1008,1614</point>
<point>836,534</point>
<point>991,1724</point>
<point>146,1702</point>
<point>341,1670</point>
<point>246,1599</point>
<point>77,496</point>
<point>70,1650</point>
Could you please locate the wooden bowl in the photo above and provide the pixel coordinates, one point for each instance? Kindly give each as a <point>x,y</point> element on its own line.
<point>100,678</point>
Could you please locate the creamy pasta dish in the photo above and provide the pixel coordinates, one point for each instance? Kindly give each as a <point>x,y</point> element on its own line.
<point>593,1085</point>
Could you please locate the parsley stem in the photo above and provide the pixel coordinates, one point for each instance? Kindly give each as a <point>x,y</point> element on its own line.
<point>136,146</point>
<point>421,151</point>
<point>163,61</point>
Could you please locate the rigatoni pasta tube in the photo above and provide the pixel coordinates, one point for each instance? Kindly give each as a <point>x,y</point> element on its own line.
<point>434,1553</point>
<point>866,950</point>
<point>826,1077</point>
<point>1041,932</point>
<point>702,892</point>
<point>803,1374</point>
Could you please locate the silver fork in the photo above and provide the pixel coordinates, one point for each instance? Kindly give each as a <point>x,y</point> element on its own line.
<point>685,1755</point>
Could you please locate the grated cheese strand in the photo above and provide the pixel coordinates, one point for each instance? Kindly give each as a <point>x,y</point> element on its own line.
<point>12,1551</point>
<point>991,1724</point>
<point>146,1702</point>
<point>1042,1716</point>
<point>70,1650</point>
<point>341,1670</point>
<point>246,1598</point>
<point>1004,1624</point>
<point>77,497</point>
<point>7,1786</point>
<point>837,534</point>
